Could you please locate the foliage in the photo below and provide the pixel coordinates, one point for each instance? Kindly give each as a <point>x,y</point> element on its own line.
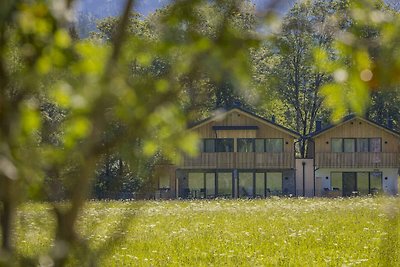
<point>65,103</point>
<point>298,232</point>
<point>366,58</point>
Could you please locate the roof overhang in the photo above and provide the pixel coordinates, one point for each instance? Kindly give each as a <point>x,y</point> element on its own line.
<point>219,116</point>
<point>351,118</point>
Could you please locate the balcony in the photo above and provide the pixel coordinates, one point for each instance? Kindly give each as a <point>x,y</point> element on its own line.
<point>357,160</point>
<point>239,160</point>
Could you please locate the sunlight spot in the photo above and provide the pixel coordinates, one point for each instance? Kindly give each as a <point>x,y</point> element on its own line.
<point>366,75</point>
<point>340,75</point>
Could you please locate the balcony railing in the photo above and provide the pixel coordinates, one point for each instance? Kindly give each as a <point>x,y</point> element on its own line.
<point>357,160</point>
<point>239,160</point>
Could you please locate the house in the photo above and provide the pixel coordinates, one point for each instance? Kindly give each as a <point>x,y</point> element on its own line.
<point>241,155</point>
<point>355,157</point>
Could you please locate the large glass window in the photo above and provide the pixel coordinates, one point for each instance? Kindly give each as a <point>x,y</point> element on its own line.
<point>349,145</point>
<point>362,145</point>
<point>337,145</point>
<point>375,144</point>
<point>376,182</point>
<point>245,145</point>
<point>163,182</point>
<point>224,145</point>
<point>274,183</point>
<point>246,184</point>
<point>259,145</point>
<point>210,184</point>
<point>274,145</point>
<point>363,183</point>
<point>225,184</point>
<point>336,181</point>
<point>260,184</point>
<point>196,183</point>
<point>209,145</point>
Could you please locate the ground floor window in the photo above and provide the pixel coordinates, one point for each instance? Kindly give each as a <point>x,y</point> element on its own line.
<point>246,184</point>
<point>362,183</point>
<point>274,183</point>
<point>163,182</point>
<point>200,185</point>
<point>223,184</point>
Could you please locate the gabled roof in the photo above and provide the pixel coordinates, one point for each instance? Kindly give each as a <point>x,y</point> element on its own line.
<point>250,114</point>
<point>350,118</point>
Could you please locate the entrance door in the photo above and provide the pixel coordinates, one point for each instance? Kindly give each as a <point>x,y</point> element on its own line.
<point>349,183</point>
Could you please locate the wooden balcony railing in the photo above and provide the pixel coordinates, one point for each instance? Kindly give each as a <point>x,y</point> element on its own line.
<point>357,160</point>
<point>239,160</point>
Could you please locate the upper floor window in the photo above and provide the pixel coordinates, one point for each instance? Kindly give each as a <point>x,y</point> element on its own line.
<point>375,145</point>
<point>224,145</point>
<point>356,145</point>
<point>245,145</point>
<point>259,145</point>
<point>209,145</point>
<point>274,145</point>
<point>349,145</point>
<point>270,145</point>
<point>362,145</point>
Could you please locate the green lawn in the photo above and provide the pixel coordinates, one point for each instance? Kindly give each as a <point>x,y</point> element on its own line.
<point>284,232</point>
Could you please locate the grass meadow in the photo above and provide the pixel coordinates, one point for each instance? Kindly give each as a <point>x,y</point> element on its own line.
<point>267,232</point>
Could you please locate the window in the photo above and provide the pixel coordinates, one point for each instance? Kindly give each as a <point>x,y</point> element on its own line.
<point>225,184</point>
<point>196,183</point>
<point>274,145</point>
<point>224,145</point>
<point>245,145</point>
<point>259,145</point>
<point>363,183</point>
<point>376,182</point>
<point>210,184</point>
<point>362,145</point>
<point>163,182</point>
<point>209,145</point>
<point>349,145</point>
<point>337,145</point>
<point>336,181</point>
<point>375,145</point>
<point>260,184</point>
<point>274,183</point>
<point>246,184</point>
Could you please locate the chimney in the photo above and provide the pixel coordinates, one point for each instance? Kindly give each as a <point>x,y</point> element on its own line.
<point>318,125</point>
<point>390,123</point>
<point>273,118</point>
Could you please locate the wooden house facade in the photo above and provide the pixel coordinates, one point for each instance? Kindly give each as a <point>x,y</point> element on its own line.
<point>355,157</point>
<point>241,155</point>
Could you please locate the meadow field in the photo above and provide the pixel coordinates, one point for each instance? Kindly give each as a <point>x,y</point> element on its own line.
<point>267,232</point>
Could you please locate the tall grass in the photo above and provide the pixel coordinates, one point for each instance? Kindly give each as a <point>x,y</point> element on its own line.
<point>295,232</point>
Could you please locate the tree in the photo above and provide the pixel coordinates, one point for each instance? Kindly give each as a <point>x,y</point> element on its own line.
<point>295,77</point>
<point>85,88</point>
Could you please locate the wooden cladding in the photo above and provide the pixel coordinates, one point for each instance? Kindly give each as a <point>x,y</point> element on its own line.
<point>357,160</point>
<point>239,160</point>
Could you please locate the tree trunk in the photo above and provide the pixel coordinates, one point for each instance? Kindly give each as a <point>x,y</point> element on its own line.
<point>7,212</point>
